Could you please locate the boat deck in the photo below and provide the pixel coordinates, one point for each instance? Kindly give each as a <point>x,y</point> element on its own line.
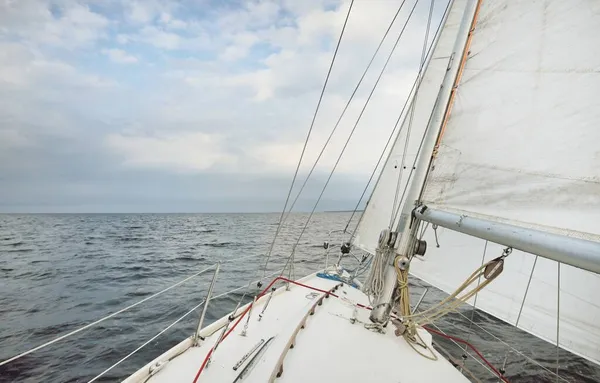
<point>314,341</point>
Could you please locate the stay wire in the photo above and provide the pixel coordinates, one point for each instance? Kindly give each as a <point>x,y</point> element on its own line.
<point>350,136</point>
<point>411,118</point>
<point>345,109</point>
<point>392,134</point>
<point>280,224</point>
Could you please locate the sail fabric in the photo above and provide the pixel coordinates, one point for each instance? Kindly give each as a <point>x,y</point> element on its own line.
<point>386,196</point>
<point>448,266</point>
<point>521,144</point>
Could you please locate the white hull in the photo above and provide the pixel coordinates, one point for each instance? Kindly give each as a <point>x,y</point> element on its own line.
<point>323,347</point>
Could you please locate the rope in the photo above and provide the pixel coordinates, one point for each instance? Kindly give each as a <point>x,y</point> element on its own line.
<point>375,282</point>
<point>489,271</point>
<point>280,224</point>
<point>452,302</point>
<point>475,350</point>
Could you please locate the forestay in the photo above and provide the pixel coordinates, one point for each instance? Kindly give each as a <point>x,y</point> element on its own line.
<point>521,147</point>
<point>385,199</point>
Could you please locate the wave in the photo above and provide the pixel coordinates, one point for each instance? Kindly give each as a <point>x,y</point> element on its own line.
<point>202,231</point>
<point>18,250</point>
<point>222,244</point>
<point>190,258</point>
<point>8,242</point>
<point>130,239</point>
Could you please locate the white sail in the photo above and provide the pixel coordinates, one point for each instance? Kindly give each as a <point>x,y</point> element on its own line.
<point>459,255</point>
<point>521,143</point>
<point>380,209</point>
<point>521,147</point>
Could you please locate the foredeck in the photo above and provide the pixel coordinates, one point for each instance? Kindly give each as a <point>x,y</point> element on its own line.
<point>315,339</point>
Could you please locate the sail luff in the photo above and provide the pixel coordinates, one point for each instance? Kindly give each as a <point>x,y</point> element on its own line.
<point>438,69</point>
<point>422,156</point>
<point>576,252</point>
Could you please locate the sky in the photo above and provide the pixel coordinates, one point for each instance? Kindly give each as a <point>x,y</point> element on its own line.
<point>194,105</point>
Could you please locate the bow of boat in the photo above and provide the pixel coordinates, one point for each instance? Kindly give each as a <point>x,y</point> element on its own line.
<point>314,329</point>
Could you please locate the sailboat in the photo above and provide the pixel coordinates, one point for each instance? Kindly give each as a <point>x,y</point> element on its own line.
<point>490,192</point>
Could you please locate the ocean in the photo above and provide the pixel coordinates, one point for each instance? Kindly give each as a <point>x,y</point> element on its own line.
<point>59,272</point>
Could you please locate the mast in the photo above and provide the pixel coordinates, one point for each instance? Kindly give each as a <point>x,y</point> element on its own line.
<point>406,232</point>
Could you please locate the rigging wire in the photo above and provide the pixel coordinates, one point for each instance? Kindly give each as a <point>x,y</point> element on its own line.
<point>280,224</point>
<point>557,321</point>
<point>392,134</point>
<point>411,118</point>
<point>345,109</point>
<point>475,303</point>
<point>453,91</point>
<point>291,257</point>
<point>522,304</point>
<point>509,346</point>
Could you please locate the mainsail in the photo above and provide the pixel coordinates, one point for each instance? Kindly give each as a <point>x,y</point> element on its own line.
<point>519,146</point>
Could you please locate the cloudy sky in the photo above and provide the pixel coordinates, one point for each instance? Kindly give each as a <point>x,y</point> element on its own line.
<point>192,105</point>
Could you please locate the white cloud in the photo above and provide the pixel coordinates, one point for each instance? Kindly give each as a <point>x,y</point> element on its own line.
<point>229,90</point>
<point>120,56</point>
<point>191,151</point>
<point>169,21</point>
<point>165,39</point>
<point>73,25</point>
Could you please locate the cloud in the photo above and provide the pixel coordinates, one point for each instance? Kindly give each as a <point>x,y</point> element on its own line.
<point>67,24</point>
<point>183,152</point>
<point>119,56</point>
<point>222,96</point>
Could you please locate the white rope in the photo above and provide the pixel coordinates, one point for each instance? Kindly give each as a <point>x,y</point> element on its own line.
<point>171,325</point>
<point>104,318</point>
<point>375,282</point>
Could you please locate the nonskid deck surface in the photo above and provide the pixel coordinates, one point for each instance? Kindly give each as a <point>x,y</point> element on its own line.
<point>321,347</point>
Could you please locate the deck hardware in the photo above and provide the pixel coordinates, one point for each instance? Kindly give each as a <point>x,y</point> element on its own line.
<point>248,354</point>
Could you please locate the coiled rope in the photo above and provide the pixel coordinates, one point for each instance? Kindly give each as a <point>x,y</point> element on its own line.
<point>489,271</point>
